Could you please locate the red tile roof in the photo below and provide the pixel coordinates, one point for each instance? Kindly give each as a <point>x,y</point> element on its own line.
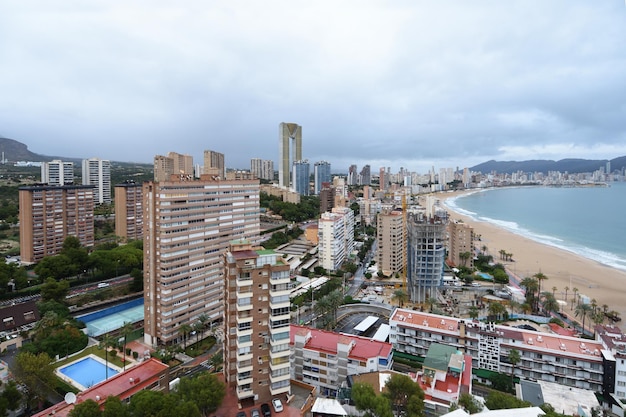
<point>324,341</point>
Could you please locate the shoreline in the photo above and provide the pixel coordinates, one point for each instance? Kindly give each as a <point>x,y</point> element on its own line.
<point>602,283</point>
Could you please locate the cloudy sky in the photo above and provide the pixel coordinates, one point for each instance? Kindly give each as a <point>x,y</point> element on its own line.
<point>387,83</point>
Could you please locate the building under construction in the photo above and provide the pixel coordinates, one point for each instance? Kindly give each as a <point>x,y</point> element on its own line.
<point>426,244</point>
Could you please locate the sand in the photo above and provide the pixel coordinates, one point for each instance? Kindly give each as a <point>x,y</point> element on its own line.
<point>605,284</point>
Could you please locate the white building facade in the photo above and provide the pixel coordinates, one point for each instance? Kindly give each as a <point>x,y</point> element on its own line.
<point>97,172</point>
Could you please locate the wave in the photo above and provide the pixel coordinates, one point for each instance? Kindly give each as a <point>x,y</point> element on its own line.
<point>606,258</point>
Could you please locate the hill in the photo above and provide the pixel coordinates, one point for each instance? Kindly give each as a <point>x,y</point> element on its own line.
<point>16,151</point>
<point>572,166</point>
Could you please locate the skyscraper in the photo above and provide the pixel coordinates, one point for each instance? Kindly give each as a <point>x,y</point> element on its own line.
<point>336,237</point>
<point>214,164</point>
<point>263,169</point>
<point>321,175</point>
<point>461,244</point>
<point>426,241</point>
<point>163,168</point>
<point>353,175</point>
<point>57,173</point>
<point>300,176</point>
<point>97,172</point>
<point>181,164</point>
<point>257,314</point>
<point>49,214</point>
<point>391,236</point>
<point>187,228</point>
<point>129,210</point>
<point>383,180</point>
<point>365,178</point>
<point>288,134</point>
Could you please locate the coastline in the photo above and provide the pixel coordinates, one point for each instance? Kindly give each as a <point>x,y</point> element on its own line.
<point>605,284</point>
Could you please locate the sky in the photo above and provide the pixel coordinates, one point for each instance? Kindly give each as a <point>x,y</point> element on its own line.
<point>411,84</point>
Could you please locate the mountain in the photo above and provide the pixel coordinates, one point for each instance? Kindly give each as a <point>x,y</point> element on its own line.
<point>14,151</point>
<point>564,165</point>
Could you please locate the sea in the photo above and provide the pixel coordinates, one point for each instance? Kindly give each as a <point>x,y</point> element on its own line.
<point>587,221</point>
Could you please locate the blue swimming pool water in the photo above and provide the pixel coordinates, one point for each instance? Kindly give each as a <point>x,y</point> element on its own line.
<point>87,372</point>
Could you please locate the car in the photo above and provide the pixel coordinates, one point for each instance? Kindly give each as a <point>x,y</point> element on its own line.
<point>241,414</point>
<point>265,409</point>
<point>277,404</point>
<point>255,413</point>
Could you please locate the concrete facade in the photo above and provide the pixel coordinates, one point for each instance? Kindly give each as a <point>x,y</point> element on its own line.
<point>289,150</point>
<point>391,242</point>
<point>461,240</point>
<point>97,172</point>
<point>129,211</point>
<point>187,228</point>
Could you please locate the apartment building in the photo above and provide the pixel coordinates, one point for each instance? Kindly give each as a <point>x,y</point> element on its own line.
<point>321,175</point>
<point>461,244</point>
<point>57,172</point>
<point>163,168</point>
<point>565,360</point>
<point>262,168</point>
<point>327,198</point>
<point>300,177</point>
<point>325,359</point>
<point>336,237</point>
<point>187,227</point>
<point>391,236</point>
<point>129,211</point>
<point>257,316</point>
<point>97,172</point>
<point>214,164</point>
<point>48,214</point>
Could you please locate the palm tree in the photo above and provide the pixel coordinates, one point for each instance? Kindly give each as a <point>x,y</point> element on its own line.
<point>540,276</point>
<point>583,309</point>
<point>566,290</point>
<point>473,312</point>
<point>575,291</point>
<point>125,331</point>
<point>554,291</point>
<point>502,252</point>
<point>598,318</point>
<point>105,342</point>
<point>184,329</point>
<point>594,304</point>
<point>464,256</point>
<point>197,327</point>
<point>400,296</point>
<point>484,249</point>
<point>203,319</point>
<point>549,303</point>
<point>431,301</point>
<point>514,358</point>
<point>531,286</point>
<point>335,299</point>
<point>497,310</point>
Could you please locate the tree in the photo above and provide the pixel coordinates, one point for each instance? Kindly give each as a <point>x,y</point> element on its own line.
<point>125,331</point>
<point>430,302</point>
<point>566,290</point>
<point>105,342</point>
<point>550,304</point>
<point>499,400</point>
<point>203,319</point>
<point>469,403</point>
<point>113,407</point>
<point>402,392</point>
<point>540,276</point>
<point>531,286</point>
<point>400,296</point>
<point>497,311</point>
<point>582,310</point>
<point>366,400</point>
<point>185,329</point>
<point>473,312</point>
<point>464,256</point>
<point>204,390</point>
<point>12,396</point>
<point>87,408</point>
<point>36,372</point>
<point>501,382</point>
<point>514,358</point>
<point>54,290</point>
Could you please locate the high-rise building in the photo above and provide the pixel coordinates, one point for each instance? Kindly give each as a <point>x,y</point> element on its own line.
<point>391,236</point>
<point>257,315</point>
<point>214,164</point>
<point>129,210</point>
<point>49,214</point>
<point>57,172</point>
<point>336,237</point>
<point>353,175</point>
<point>262,168</point>
<point>461,244</point>
<point>426,240</point>
<point>300,177</point>
<point>365,177</point>
<point>288,134</point>
<point>321,175</point>
<point>327,197</point>
<point>181,164</point>
<point>163,168</point>
<point>383,179</point>
<point>187,228</point>
<point>97,172</point>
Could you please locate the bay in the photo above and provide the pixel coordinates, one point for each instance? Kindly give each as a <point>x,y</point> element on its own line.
<point>587,221</point>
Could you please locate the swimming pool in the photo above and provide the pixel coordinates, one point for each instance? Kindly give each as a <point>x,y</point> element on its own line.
<point>87,372</point>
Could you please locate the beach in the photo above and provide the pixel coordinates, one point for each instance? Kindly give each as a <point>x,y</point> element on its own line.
<point>564,269</point>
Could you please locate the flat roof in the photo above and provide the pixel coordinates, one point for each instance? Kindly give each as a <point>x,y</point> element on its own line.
<point>382,333</point>
<point>366,323</point>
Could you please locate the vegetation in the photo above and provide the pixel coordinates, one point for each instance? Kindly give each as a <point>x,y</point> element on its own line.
<point>194,397</point>
<point>470,404</point>
<point>499,400</point>
<point>403,398</point>
<point>36,372</point>
<point>280,238</point>
<point>308,208</point>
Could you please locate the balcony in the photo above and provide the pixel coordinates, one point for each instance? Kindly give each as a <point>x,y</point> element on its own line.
<point>280,390</point>
<point>242,320</point>
<point>244,332</point>
<point>275,365</point>
<point>245,307</point>
<point>245,381</point>
<point>244,393</point>
<point>278,378</point>
<point>244,366</point>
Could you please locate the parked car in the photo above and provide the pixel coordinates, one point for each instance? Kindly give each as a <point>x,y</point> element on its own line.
<point>277,404</point>
<point>241,414</point>
<point>255,413</point>
<point>265,409</point>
